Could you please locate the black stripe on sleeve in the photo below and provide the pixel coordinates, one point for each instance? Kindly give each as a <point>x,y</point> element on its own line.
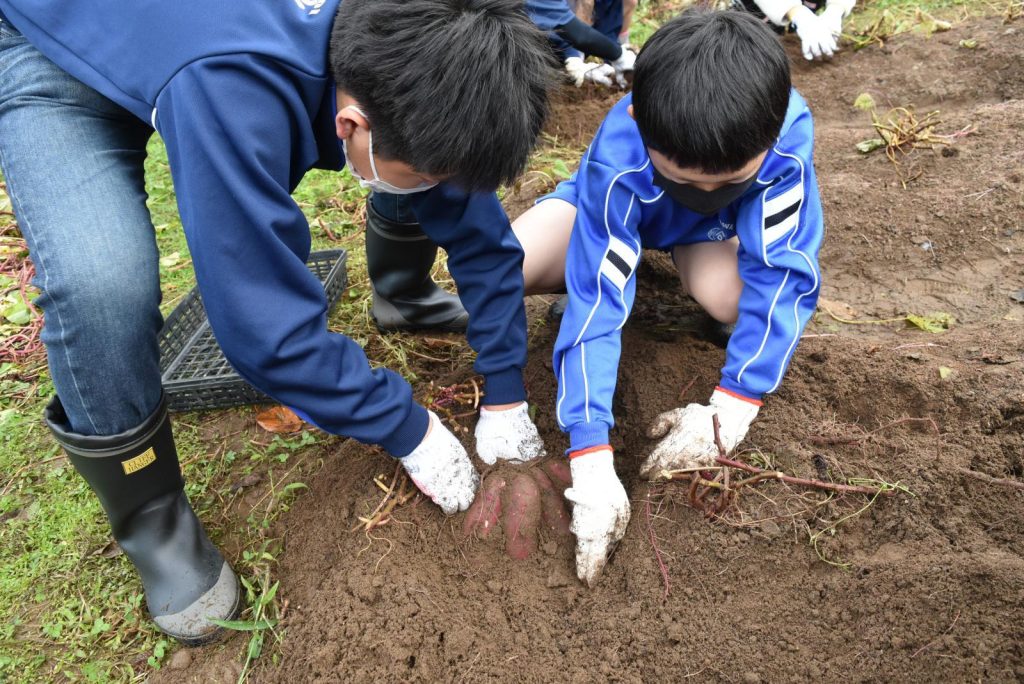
<point>619,263</point>
<point>776,219</point>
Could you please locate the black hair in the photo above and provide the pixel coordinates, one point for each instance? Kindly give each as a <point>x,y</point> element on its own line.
<point>710,90</point>
<point>455,88</point>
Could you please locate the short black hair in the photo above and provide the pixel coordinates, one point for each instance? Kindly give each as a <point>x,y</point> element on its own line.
<point>711,89</point>
<point>455,88</point>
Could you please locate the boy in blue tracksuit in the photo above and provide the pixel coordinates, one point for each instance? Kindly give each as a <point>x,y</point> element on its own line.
<point>574,40</point>
<point>709,158</point>
<point>247,97</point>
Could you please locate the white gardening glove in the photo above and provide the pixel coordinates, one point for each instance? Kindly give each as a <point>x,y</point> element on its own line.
<point>604,75</point>
<point>509,435</point>
<point>441,469</point>
<point>580,71</point>
<point>600,511</point>
<point>815,34</point>
<point>624,64</point>
<point>835,12</point>
<point>689,433</point>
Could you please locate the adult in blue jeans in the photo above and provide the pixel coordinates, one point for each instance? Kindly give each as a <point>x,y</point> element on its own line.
<point>435,101</point>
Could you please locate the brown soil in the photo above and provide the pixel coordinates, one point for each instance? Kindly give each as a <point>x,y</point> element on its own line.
<point>933,585</point>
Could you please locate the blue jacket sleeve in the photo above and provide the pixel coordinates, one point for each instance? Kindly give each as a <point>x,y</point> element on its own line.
<point>486,261</point>
<point>239,137</point>
<point>600,275</point>
<point>780,232</point>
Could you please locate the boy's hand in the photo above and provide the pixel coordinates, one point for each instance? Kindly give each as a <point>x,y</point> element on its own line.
<point>507,434</point>
<point>835,12</point>
<point>600,511</point>
<point>815,34</point>
<point>689,433</point>
<point>624,64</point>
<point>441,469</point>
<point>580,71</point>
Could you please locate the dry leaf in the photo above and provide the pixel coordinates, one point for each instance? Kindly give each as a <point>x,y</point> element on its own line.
<point>279,419</point>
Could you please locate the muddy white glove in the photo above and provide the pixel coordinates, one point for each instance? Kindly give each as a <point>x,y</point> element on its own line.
<point>835,12</point>
<point>689,433</point>
<point>624,64</point>
<point>509,435</point>
<point>441,469</point>
<point>815,34</point>
<point>600,511</point>
<point>604,75</point>
<point>577,70</point>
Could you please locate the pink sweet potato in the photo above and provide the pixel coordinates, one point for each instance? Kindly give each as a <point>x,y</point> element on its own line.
<point>521,516</point>
<point>552,503</point>
<point>558,470</point>
<point>482,518</point>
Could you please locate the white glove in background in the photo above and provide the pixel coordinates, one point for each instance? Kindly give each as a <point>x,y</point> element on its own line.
<point>580,71</point>
<point>441,469</point>
<point>600,511</point>
<point>815,34</point>
<point>624,64</point>
<point>835,12</point>
<point>689,433</point>
<point>509,435</point>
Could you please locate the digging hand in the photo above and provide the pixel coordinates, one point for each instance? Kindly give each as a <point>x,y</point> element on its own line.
<point>835,12</point>
<point>600,511</point>
<point>688,434</point>
<point>815,34</point>
<point>508,435</point>
<point>441,469</point>
<point>624,64</point>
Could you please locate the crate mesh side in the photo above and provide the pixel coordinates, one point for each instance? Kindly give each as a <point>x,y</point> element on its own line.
<point>196,373</point>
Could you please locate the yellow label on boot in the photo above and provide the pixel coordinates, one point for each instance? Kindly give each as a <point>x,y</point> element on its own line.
<point>134,465</point>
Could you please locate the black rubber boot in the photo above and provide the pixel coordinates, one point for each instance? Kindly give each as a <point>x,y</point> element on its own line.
<point>138,481</point>
<point>399,257</point>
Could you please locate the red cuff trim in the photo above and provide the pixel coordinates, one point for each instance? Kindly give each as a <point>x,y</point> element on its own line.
<point>734,395</point>
<point>591,450</point>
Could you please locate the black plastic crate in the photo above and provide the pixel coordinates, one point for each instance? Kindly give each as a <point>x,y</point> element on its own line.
<point>195,373</point>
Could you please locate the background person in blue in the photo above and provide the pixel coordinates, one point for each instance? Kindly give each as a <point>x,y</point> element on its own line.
<point>248,97</point>
<point>574,40</point>
<point>710,158</point>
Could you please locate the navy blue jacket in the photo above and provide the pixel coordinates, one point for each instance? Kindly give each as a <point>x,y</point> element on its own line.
<point>242,95</point>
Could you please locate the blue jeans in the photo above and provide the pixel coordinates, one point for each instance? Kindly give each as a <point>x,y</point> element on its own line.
<point>73,163</point>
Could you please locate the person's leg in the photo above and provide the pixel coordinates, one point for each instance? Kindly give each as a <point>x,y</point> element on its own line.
<point>73,163</point>
<point>608,18</point>
<point>544,233</point>
<point>709,272</point>
<point>628,8</point>
<point>399,259</point>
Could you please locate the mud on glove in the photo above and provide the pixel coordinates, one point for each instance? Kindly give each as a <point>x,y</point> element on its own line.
<point>688,434</point>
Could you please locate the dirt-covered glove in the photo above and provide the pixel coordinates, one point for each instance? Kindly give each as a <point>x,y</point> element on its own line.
<point>577,70</point>
<point>624,64</point>
<point>689,433</point>
<point>509,435</point>
<point>441,469</point>
<point>835,12</point>
<point>815,34</point>
<point>600,510</point>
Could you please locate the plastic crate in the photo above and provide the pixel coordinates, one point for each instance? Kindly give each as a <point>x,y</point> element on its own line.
<point>195,373</point>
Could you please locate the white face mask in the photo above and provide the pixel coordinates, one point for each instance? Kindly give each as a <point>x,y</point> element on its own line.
<point>376,184</point>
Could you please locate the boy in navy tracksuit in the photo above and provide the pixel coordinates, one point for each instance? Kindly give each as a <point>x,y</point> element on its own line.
<point>248,97</point>
<point>710,159</point>
<point>574,40</point>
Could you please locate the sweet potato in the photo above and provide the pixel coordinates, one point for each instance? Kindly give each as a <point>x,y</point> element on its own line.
<point>521,509</point>
<point>552,504</point>
<point>558,470</point>
<point>482,517</point>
